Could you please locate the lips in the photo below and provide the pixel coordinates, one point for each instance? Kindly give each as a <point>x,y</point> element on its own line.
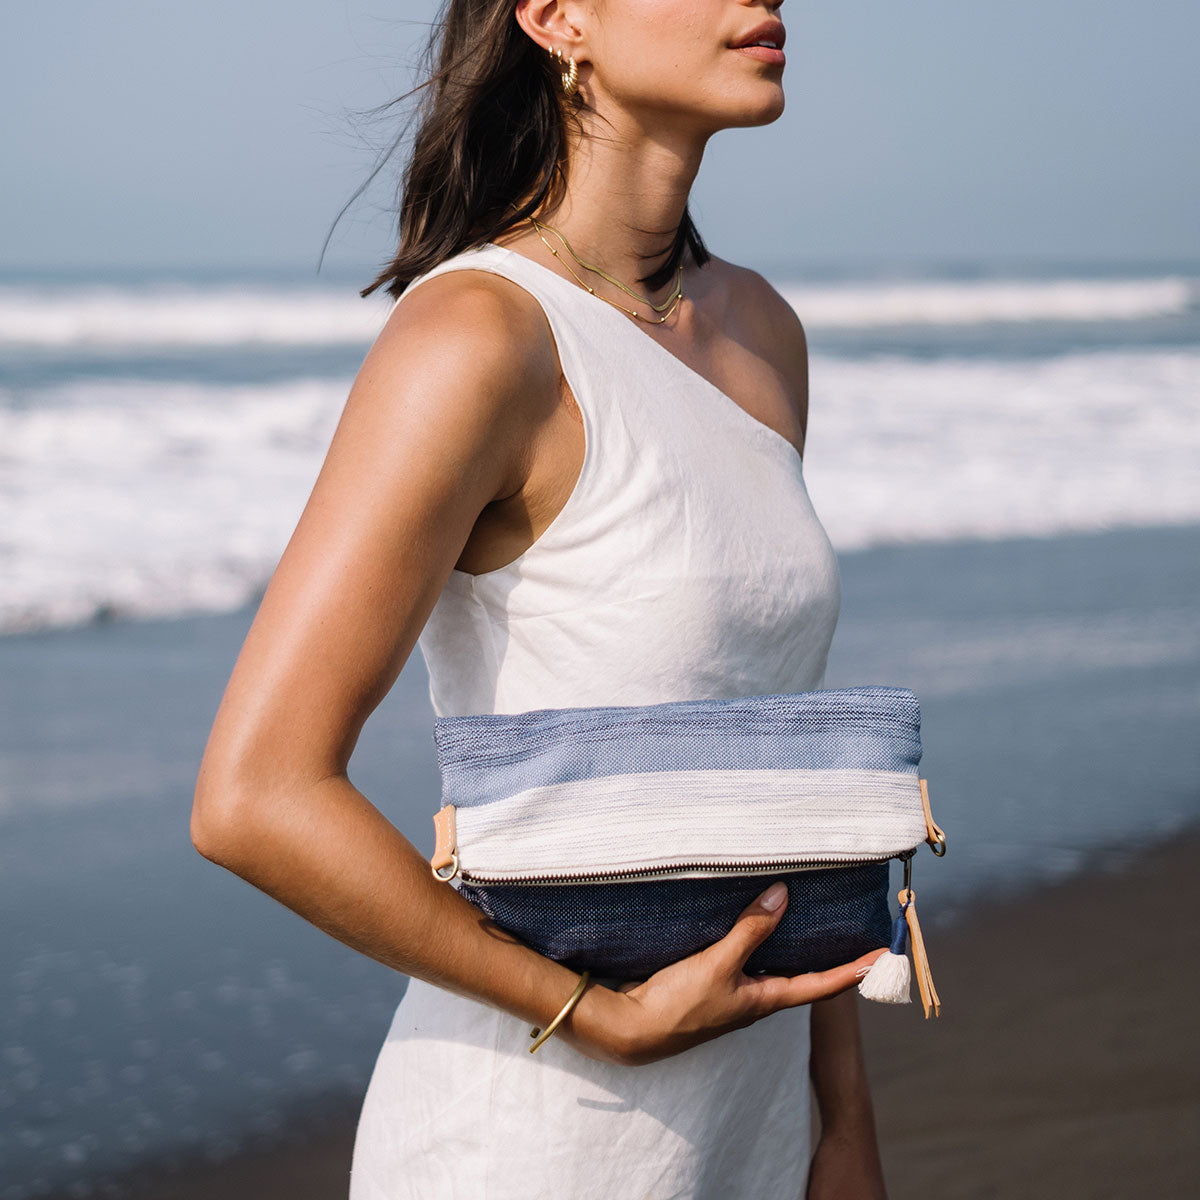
<point>768,31</point>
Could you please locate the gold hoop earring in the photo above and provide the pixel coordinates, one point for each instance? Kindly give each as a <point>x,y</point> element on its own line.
<point>570,77</point>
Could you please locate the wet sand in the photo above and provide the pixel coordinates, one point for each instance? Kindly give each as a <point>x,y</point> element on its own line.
<point>1064,1064</point>
<point>1060,689</point>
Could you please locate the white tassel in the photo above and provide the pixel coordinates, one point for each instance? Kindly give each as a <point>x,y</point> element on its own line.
<point>888,979</point>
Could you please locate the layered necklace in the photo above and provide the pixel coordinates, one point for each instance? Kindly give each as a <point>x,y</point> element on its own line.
<point>668,304</point>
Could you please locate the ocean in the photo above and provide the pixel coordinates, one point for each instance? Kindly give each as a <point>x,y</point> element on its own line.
<point>1008,462</point>
<point>159,438</point>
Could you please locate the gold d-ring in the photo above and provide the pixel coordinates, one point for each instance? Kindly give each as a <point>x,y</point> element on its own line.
<point>452,864</point>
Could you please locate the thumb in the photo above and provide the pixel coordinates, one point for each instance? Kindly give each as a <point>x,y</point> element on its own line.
<point>753,926</point>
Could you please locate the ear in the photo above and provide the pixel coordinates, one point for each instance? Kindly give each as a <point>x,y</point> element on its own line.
<point>551,24</point>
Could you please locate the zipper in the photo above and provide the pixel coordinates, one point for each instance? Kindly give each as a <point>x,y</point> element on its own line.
<point>734,867</point>
<point>446,865</point>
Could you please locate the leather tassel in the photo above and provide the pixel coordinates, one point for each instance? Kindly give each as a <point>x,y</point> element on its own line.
<point>929,997</point>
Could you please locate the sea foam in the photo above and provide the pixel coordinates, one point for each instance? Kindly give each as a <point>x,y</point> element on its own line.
<point>163,317</point>
<point>133,498</point>
<point>878,304</point>
<point>90,319</point>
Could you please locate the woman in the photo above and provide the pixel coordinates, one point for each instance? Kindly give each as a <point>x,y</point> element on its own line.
<point>576,486</point>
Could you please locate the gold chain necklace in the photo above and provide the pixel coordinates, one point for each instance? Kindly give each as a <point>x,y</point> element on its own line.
<point>669,303</point>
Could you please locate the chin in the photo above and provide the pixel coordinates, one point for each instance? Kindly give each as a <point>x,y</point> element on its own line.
<point>756,110</point>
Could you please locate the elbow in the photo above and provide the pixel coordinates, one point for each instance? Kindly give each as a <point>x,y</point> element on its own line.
<point>220,817</point>
<point>205,831</point>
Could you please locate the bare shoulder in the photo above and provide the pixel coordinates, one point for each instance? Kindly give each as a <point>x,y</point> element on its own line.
<point>474,339</point>
<point>765,309</point>
<point>761,317</point>
<point>466,368</point>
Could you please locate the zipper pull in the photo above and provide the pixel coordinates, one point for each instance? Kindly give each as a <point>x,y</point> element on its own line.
<point>887,980</point>
<point>933,833</point>
<point>445,852</point>
<point>929,996</point>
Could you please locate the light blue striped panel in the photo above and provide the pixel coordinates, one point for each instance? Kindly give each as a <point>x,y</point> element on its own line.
<point>488,757</point>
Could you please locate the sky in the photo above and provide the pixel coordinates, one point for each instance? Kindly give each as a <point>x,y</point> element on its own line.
<point>140,134</point>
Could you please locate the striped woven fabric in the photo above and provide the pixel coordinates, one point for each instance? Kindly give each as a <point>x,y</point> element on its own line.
<point>623,839</point>
<point>687,788</point>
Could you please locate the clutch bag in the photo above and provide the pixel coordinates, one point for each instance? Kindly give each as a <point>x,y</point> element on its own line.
<point>621,839</point>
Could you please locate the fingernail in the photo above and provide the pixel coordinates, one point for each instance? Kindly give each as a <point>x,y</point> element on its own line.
<point>772,898</point>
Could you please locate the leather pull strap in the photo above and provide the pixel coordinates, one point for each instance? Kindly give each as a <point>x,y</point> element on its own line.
<point>929,997</point>
<point>445,852</point>
<point>933,832</point>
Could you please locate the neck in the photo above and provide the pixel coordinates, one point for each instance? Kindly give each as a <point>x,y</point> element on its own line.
<point>625,197</point>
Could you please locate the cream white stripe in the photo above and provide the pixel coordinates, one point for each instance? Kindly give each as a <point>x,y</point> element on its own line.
<point>622,822</point>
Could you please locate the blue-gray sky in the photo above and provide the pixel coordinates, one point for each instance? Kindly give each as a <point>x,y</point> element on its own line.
<point>140,133</point>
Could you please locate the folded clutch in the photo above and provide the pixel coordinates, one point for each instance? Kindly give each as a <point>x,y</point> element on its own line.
<point>621,839</point>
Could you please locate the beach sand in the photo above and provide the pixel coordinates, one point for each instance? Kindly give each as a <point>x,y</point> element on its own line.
<point>1059,680</point>
<point>1064,1064</point>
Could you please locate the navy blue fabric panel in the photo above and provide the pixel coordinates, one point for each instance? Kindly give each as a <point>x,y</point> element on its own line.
<point>490,756</point>
<point>630,930</point>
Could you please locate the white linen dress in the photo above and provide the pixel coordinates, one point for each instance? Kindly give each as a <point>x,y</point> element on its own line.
<point>687,563</point>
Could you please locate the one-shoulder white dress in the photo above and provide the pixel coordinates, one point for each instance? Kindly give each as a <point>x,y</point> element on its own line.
<point>687,563</point>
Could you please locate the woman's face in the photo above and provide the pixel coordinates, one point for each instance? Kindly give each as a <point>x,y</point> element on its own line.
<point>675,61</point>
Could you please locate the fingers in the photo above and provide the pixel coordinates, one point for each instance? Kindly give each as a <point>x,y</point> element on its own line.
<point>781,991</point>
<point>752,927</point>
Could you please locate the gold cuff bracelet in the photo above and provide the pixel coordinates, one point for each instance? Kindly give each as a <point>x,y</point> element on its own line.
<point>562,1014</point>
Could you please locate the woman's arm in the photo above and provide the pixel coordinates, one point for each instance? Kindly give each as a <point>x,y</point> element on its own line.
<point>457,409</point>
<point>846,1161</point>
<point>438,425</point>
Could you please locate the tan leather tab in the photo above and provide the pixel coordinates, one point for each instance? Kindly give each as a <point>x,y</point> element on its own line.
<point>445,856</point>
<point>933,833</point>
<point>929,997</point>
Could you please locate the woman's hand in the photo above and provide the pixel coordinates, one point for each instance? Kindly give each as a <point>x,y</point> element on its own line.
<point>702,996</point>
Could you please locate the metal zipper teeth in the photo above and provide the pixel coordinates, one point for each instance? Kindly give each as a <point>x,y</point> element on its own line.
<point>756,867</point>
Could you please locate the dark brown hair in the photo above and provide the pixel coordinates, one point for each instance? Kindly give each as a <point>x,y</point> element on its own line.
<point>491,144</point>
